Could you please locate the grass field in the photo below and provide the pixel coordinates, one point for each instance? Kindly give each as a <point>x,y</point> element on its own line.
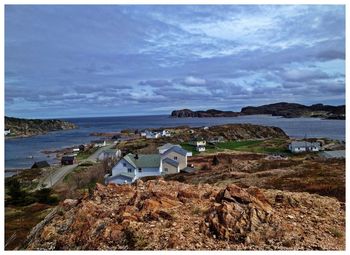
<point>257,146</point>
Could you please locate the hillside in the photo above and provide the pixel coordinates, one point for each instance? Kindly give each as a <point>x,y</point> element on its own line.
<point>30,127</point>
<point>159,215</point>
<point>290,110</point>
<point>287,110</point>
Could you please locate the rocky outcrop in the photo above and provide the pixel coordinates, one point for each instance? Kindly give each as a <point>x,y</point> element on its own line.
<point>159,215</point>
<point>287,110</point>
<point>244,132</point>
<point>30,127</point>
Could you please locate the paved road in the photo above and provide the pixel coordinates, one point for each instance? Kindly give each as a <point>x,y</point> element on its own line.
<point>61,172</point>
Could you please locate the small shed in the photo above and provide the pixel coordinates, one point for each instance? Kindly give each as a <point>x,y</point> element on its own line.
<point>188,170</point>
<point>40,164</point>
<point>68,160</point>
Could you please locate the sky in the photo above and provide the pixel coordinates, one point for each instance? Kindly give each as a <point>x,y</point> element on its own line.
<point>120,60</point>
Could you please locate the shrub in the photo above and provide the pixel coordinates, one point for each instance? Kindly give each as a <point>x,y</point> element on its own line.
<point>205,167</point>
<point>17,194</point>
<point>215,161</point>
<point>44,196</point>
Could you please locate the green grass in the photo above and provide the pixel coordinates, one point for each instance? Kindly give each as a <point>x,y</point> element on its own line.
<point>190,148</point>
<point>257,146</point>
<point>85,154</point>
<point>238,145</point>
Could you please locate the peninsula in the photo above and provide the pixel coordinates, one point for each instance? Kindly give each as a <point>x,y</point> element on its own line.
<point>30,127</point>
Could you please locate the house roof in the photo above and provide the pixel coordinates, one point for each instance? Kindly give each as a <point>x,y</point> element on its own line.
<point>126,175</point>
<point>171,162</point>
<point>143,160</point>
<point>333,154</point>
<point>109,151</point>
<point>295,144</point>
<point>68,157</point>
<point>40,164</point>
<point>167,146</point>
<point>176,149</point>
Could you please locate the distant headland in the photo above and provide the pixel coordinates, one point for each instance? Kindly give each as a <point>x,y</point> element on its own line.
<point>15,127</point>
<point>287,110</point>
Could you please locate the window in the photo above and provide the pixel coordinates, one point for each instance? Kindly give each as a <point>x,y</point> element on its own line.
<point>175,158</point>
<point>124,164</point>
<point>166,169</point>
<point>140,170</point>
<point>129,170</point>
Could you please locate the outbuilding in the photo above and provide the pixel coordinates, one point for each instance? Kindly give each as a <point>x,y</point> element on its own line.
<point>68,160</point>
<point>40,164</point>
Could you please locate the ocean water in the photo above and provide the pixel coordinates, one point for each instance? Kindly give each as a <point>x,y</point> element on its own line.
<point>17,150</point>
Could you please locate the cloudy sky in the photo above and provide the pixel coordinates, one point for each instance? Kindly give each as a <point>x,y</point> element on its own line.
<point>70,61</point>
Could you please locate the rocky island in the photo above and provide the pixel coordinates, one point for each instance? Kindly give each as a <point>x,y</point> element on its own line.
<point>29,127</point>
<point>287,110</point>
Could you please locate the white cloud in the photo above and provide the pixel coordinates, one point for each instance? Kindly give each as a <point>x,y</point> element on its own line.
<point>191,80</point>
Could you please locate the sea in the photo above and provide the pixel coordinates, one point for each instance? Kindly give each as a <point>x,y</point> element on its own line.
<point>23,152</point>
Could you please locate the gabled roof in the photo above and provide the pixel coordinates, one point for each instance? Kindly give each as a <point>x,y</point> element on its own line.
<point>143,160</point>
<point>167,146</point>
<point>171,162</point>
<point>176,149</point>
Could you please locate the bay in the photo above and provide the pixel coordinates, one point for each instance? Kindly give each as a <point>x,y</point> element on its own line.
<point>17,150</point>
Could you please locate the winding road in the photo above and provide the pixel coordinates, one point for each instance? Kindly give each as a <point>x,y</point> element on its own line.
<point>59,173</point>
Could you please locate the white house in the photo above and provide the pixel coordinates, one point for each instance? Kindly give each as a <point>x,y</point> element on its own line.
<point>200,148</point>
<point>171,159</point>
<point>166,133</point>
<point>198,142</point>
<point>99,143</point>
<point>150,134</point>
<point>303,146</point>
<point>7,132</point>
<point>109,154</point>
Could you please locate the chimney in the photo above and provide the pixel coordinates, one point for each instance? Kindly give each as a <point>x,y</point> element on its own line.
<point>136,156</point>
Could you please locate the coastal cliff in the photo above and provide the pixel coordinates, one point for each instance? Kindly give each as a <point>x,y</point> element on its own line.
<point>287,110</point>
<point>30,127</point>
